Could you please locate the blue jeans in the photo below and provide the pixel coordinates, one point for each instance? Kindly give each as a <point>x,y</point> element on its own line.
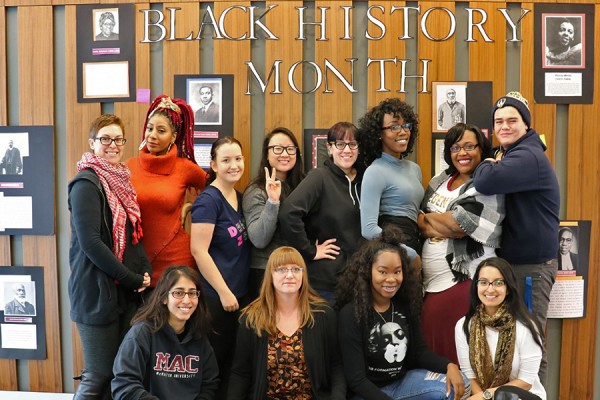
<point>422,385</point>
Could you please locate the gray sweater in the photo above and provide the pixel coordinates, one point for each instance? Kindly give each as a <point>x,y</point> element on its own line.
<point>261,221</point>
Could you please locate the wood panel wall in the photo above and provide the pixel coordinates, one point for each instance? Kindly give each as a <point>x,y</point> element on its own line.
<point>487,61</point>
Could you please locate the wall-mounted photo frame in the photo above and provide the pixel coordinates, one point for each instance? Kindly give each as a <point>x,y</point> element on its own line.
<point>106,24</point>
<point>438,164</point>
<point>106,80</point>
<point>475,96</point>
<point>562,40</point>
<point>315,148</point>
<point>563,53</point>
<point>568,298</point>
<point>22,309</point>
<point>26,180</point>
<point>449,105</point>
<point>211,100</point>
<point>105,53</point>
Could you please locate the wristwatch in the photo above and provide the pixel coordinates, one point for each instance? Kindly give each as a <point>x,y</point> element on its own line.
<point>487,395</point>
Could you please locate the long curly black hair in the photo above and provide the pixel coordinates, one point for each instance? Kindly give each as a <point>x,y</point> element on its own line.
<point>369,127</point>
<point>355,283</point>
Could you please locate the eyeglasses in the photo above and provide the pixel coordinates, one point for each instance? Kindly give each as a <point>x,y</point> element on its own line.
<point>468,147</point>
<point>284,271</point>
<point>398,128</point>
<point>342,145</point>
<point>568,240</point>
<point>180,294</point>
<point>484,283</point>
<point>106,141</point>
<point>277,150</point>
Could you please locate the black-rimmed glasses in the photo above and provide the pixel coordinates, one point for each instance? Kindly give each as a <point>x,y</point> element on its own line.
<point>484,283</point>
<point>180,294</point>
<point>468,147</point>
<point>342,145</point>
<point>398,128</point>
<point>277,150</point>
<point>106,141</point>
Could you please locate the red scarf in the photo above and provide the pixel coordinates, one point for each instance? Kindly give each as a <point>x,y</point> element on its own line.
<point>121,196</point>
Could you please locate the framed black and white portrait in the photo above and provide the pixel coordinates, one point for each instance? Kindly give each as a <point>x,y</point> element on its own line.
<point>562,40</point>
<point>205,98</point>
<point>106,24</point>
<point>449,105</point>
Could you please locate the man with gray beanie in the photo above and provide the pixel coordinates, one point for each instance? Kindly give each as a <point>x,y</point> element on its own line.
<point>522,172</point>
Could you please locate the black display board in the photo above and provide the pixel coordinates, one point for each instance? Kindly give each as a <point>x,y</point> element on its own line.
<point>27,192</point>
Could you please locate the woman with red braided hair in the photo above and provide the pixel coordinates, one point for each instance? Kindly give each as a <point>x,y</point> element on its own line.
<point>162,172</point>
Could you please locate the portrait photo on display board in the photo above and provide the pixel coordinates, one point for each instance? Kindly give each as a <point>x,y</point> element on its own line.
<point>106,24</point>
<point>562,41</point>
<point>22,311</point>
<point>27,180</point>
<point>204,96</point>
<point>568,298</point>
<point>563,62</point>
<point>449,105</point>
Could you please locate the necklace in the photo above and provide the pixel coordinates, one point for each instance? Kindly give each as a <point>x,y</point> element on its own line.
<point>381,316</point>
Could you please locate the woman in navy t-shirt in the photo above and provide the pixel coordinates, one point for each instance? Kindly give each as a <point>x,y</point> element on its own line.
<point>220,246</point>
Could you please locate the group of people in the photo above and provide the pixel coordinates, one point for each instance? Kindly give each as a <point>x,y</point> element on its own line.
<point>312,286</point>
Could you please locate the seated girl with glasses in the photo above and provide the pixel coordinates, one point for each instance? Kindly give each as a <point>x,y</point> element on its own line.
<point>392,186</point>
<point>287,340</point>
<point>498,343</point>
<point>322,216</point>
<point>279,172</point>
<point>383,351</point>
<point>461,228</point>
<point>166,352</point>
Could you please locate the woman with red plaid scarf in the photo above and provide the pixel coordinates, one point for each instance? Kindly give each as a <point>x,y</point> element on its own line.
<point>109,267</point>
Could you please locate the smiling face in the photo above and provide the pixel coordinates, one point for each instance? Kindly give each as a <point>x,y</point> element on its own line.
<point>346,157</point>
<point>491,296</point>
<point>392,143</point>
<point>508,126</point>
<point>386,276</point>
<point>228,163</point>
<point>566,34</point>
<point>464,161</point>
<point>180,310</point>
<point>283,163</point>
<point>111,153</point>
<point>159,134</point>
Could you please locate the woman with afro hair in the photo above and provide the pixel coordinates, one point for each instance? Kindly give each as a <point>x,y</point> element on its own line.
<point>392,187</point>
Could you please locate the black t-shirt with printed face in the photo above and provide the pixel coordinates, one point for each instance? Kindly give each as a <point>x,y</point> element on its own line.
<point>387,346</point>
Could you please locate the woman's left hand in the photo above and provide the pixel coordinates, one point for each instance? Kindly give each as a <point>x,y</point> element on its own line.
<point>454,380</point>
<point>273,186</point>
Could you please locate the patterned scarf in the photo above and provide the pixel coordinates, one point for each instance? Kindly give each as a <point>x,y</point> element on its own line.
<point>480,216</point>
<point>491,375</point>
<point>121,196</point>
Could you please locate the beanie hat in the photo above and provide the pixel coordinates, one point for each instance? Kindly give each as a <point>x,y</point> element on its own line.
<point>516,100</point>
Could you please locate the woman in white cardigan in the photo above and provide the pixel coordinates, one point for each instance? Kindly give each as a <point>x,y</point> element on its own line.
<point>498,343</point>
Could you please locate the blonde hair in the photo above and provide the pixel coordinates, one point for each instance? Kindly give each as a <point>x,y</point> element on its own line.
<point>261,314</point>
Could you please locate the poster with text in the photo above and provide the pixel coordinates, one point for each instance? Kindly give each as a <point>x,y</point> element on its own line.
<point>569,293</point>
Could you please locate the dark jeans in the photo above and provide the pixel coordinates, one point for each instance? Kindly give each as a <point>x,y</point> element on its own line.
<point>542,277</point>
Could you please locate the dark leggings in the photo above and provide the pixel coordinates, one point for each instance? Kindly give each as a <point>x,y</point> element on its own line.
<point>100,343</point>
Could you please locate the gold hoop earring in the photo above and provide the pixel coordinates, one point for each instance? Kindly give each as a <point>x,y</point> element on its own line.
<point>170,145</point>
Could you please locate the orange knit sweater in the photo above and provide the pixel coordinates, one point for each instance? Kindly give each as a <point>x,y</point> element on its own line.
<point>160,183</point>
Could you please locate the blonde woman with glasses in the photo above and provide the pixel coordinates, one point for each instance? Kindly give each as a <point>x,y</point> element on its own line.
<point>287,340</point>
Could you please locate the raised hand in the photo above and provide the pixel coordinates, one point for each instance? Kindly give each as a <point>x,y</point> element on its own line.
<point>273,186</point>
